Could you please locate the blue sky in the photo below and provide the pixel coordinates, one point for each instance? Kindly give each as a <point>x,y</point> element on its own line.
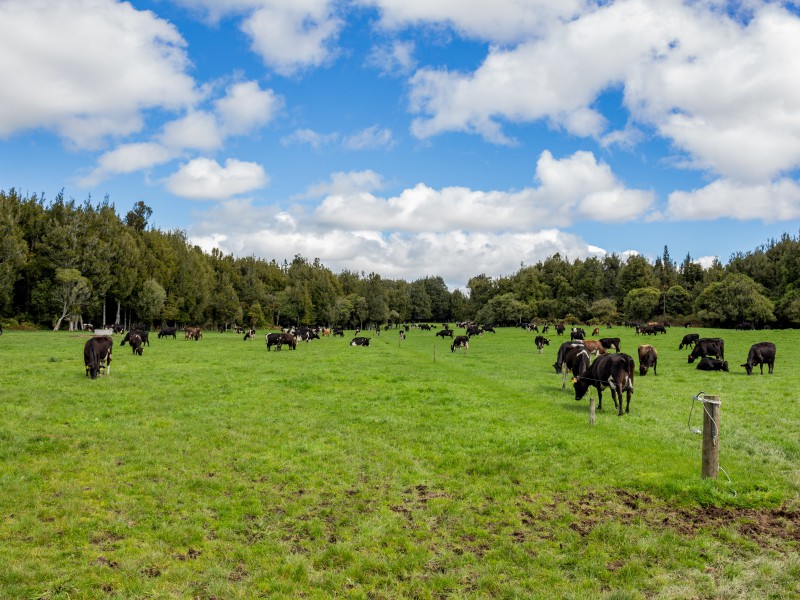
<point>414,137</point>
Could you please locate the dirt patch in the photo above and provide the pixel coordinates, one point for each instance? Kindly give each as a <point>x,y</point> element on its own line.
<point>766,527</point>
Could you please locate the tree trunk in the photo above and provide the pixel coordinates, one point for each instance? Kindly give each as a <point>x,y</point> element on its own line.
<point>116,321</point>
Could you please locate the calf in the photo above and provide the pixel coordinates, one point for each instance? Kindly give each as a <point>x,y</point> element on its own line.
<point>609,343</point>
<point>610,370</point>
<point>708,347</point>
<point>689,340</point>
<point>144,336</point>
<point>712,364</point>
<point>97,355</point>
<point>648,357</point>
<point>460,341</point>
<point>762,353</point>
<point>360,341</point>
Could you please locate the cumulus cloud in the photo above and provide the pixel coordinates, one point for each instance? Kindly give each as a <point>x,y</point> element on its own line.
<point>128,158</point>
<point>198,130</point>
<point>572,189</point>
<point>246,107</point>
<point>715,86</point>
<point>310,137</point>
<point>205,179</point>
<point>769,202</point>
<point>101,62</point>
<point>396,58</point>
<point>354,182</point>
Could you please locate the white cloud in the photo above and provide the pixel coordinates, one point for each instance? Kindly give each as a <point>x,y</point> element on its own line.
<point>246,107</point>
<point>572,189</point>
<point>205,179</point>
<point>87,69</point>
<point>716,87</point>
<point>396,58</point>
<point>310,137</point>
<point>340,183</point>
<point>768,202</point>
<point>128,158</point>
<point>198,130</point>
<point>370,138</point>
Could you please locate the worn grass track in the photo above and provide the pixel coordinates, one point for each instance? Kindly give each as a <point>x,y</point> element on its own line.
<point>215,469</point>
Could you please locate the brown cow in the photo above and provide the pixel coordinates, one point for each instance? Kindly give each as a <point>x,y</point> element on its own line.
<point>594,347</point>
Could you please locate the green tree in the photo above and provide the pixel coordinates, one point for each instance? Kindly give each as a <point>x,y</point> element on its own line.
<point>636,273</point>
<point>137,217</point>
<point>72,292</point>
<point>678,300</point>
<point>421,309</point>
<point>151,300</point>
<point>13,249</point>
<point>734,299</point>
<point>641,303</point>
<point>604,310</point>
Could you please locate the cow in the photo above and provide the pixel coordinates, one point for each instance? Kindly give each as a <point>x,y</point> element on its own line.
<point>402,334</point>
<point>541,342</point>
<point>648,357</point>
<point>609,343</point>
<point>167,331</point>
<point>135,340</point>
<point>305,334</point>
<point>143,335</point>
<point>474,330</point>
<point>360,341</point>
<point>460,341</point>
<point>576,360</point>
<point>279,339</point>
<point>712,364</point>
<point>338,331</point>
<point>489,328</point>
<point>596,331</point>
<point>88,327</point>
<point>576,335</point>
<point>97,355</point>
<point>762,353</point>
<point>250,335</point>
<point>708,347</point>
<point>689,340</point>
<point>443,333</point>
<point>193,333</point>
<point>610,370</point>
<point>562,350</point>
<point>745,325</point>
<point>559,328</point>
<point>594,347</point>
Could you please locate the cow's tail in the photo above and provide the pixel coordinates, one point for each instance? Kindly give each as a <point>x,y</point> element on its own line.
<point>94,361</point>
<point>631,369</point>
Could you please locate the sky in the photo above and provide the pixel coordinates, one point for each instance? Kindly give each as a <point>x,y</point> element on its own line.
<point>414,138</point>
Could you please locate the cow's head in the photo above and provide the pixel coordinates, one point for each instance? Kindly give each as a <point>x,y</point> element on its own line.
<point>580,384</point>
<point>691,358</point>
<point>725,365</point>
<point>642,369</point>
<point>93,369</point>
<point>748,367</point>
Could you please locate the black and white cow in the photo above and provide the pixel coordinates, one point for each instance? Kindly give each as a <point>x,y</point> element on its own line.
<point>689,340</point>
<point>97,355</point>
<point>712,364</point>
<point>541,342</point>
<point>360,341</point>
<point>443,333</point>
<point>562,350</point>
<point>762,353</point>
<point>708,347</point>
<point>460,341</point>
<point>143,335</point>
<point>250,334</point>
<point>135,340</point>
<point>609,370</point>
<point>609,343</point>
<point>648,357</point>
<point>577,360</point>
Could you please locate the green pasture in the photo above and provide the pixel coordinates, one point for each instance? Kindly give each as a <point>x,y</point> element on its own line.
<point>215,469</point>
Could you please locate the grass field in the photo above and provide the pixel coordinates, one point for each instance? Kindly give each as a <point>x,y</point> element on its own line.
<point>215,469</point>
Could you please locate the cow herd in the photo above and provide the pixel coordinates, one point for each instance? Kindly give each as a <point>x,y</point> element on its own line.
<point>614,371</point>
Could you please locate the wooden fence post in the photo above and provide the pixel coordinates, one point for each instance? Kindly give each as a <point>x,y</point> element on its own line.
<point>711,414</point>
<point>591,410</point>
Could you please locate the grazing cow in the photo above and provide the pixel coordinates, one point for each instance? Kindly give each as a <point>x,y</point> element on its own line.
<point>402,334</point>
<point>610,370</point>
<point>562,350</point>
<point>135,340</point>
<point>143,335</point>
<point>576,335</point>
<point>596,331</point>
<point>559,328</point>
<point>360,341</point>
<point>306,335</point>
<point>97,355</point>
<point>689,340</point>
<point>712,364</point>
<point>708,347</point>
<point>648,357</point>
<point>609,343</point>
<point>541,342</point>
<point>338,331</point>
<point>460,341</point>
<point>489,328</point>
<point>594,347</point>
<point>762,353</point>
<point>443,333</point>
<point>88,327</point>
<point>576,360</point>
<point>167,331</point>
<point>250,335</point>
<point>278,339</point>
<point>193,333</point>
<point>474,330</point>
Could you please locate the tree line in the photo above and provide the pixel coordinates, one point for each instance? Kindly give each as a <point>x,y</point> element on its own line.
<point>63,263</point>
